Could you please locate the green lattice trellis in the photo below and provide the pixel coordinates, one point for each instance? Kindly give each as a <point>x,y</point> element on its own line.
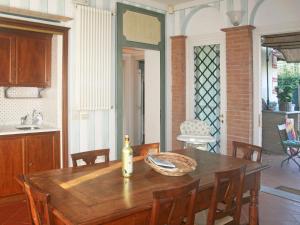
<point>207,89</point>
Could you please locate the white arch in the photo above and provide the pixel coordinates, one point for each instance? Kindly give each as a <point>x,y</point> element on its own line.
<point>254,11</point>
<point>190,15</point>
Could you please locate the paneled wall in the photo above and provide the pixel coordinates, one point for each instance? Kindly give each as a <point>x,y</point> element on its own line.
<point>60,7</point>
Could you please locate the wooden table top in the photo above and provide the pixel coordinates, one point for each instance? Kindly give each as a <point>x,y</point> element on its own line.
<point>97,194</point>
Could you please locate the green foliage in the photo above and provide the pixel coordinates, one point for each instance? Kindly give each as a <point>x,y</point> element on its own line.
<point>285,94</point>
<point>288,75</point>
<point>289,80</point>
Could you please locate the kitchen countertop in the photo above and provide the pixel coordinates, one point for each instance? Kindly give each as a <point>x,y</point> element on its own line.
<point>11,129</point>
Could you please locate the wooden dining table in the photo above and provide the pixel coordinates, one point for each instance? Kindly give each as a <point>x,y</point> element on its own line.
<point>100,195</point>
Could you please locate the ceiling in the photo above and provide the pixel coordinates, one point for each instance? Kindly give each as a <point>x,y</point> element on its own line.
<point>173,2</point>
<point>288,44</point>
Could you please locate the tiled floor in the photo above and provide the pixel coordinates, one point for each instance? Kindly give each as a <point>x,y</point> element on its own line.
<point>14,213</point>
<point>273,210</point>
<point>288,175</point>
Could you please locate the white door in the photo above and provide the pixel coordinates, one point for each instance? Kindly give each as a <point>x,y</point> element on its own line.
<point>206,85</point>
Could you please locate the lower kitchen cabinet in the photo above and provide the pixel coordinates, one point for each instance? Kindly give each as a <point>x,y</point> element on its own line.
<point>43,152</point>
<point>11,164</point>
<point>24,154</point>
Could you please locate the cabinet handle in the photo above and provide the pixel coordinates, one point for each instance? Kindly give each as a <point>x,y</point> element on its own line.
<point>30,164</point>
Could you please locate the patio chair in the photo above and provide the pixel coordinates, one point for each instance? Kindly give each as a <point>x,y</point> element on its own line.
<point>290,143</point>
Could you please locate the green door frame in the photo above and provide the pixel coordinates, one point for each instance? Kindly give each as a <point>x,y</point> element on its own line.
<point>122,42</point>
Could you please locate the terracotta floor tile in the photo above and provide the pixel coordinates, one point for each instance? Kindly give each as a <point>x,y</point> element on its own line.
<point>9,209</point>
<point>20,217</point>
<point>275,210</point>
<point>288,175</point>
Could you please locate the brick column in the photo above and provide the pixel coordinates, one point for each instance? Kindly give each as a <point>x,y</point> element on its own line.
<point>239,55</point>
<point>178,86</point>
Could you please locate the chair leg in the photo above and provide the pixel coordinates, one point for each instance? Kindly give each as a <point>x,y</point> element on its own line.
<point>292,157</point>
<point>286,159</point>
<point>296,163</point>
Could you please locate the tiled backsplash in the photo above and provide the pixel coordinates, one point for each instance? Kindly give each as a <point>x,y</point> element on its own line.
<point>11,110</point>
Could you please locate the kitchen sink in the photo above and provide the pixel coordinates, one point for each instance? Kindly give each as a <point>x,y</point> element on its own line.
<point>27,127</point>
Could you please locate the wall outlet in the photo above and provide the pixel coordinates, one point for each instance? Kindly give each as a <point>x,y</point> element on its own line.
<point>84,115</point>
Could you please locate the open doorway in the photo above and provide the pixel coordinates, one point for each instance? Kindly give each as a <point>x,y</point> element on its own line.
<point>280,70</point>
<point>141,97</point>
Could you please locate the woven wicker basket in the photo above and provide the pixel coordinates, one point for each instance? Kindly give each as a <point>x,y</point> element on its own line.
<point>183,164</point>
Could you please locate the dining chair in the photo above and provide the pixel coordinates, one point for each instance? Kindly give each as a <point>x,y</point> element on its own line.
<point>226,202</point>
<point>290,144</point>
<point>90,157</point>
<point>246,151</point>
<point>145,149</point>
<point>38,203</point>
<point>175,206</point>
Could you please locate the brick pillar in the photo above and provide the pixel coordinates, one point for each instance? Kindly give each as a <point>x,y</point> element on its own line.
<point>239,55</point>
<point>178,87</point>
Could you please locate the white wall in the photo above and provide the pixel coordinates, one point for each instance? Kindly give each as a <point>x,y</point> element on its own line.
<point>212,23</point>
<point>152,96</point>
<point>274,12</point>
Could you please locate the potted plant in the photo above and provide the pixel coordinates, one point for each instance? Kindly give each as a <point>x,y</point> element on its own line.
<point>285,96</point>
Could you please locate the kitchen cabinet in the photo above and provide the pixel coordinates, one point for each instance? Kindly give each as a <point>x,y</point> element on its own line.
<point>42,152</point>
<point>11,164</point>
<point>25,154</point>
<point>33,60</point>
<point>26,59</point>
<point>7,59</point>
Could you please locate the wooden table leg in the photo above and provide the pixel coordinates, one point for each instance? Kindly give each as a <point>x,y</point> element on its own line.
<point>253,207</point>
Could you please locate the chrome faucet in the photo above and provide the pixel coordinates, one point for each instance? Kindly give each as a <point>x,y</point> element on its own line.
<point>24,119</point>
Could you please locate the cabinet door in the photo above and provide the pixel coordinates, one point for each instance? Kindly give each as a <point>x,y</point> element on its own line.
<point>42,151</point>
<point>33,60</point>
<point>7,59</point>
<point>11,164</point>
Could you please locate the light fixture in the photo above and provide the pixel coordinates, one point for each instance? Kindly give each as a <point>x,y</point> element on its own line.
<point>171,9</point>
<point>235,17</point>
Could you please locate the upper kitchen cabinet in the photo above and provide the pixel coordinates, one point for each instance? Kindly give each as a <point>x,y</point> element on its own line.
<point>7,59</point>
<point>27,59</point>
<point>33,60</point>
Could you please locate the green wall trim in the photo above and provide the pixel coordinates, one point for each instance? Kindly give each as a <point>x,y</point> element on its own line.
<point>122,43</point>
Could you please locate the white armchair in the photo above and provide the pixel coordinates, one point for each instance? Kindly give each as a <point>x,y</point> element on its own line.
<point>195,127</point>
<point>195,133</point>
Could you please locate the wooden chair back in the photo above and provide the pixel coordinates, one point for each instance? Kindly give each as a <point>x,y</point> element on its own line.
<point>246,151</point>
<point>90,157</point>
<point>38,204</point>
<point>172,206</point>
<point>145,149</point>
<point>227,196</point>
